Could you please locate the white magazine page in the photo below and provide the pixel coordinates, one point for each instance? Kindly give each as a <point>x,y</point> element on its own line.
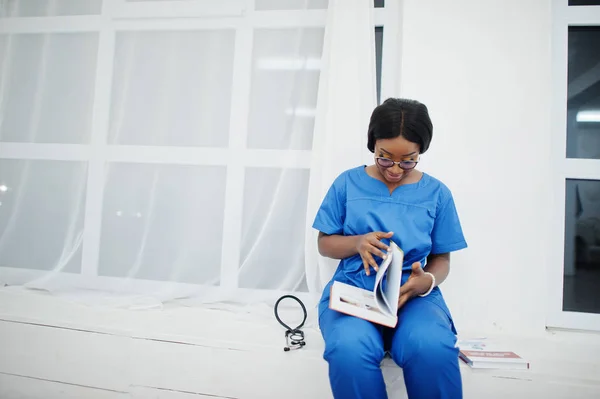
<point>382,269</point>
<point>361,300</point>
<point>394,278</point>
<point>381,300</point>
<point>378,293</point>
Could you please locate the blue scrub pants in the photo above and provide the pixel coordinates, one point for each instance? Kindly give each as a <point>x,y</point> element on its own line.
<point>422,344</point>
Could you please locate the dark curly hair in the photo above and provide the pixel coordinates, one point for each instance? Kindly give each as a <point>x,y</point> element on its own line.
<point>400,117</point>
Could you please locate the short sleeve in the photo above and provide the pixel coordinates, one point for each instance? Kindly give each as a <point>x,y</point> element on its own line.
<point>332,213</point>
<point>447,234</point>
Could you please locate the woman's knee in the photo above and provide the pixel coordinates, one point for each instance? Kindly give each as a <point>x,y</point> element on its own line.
<point>353,350</point>
<point>428,347</point>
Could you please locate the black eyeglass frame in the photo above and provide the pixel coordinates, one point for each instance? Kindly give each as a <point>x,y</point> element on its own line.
<point>389,163</point>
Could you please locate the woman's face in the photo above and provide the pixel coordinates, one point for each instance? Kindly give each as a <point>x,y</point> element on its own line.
<point>397,150</point>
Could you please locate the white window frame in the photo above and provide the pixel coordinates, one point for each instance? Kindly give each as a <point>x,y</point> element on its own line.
<point>119,15</point>
<point>565,168</point>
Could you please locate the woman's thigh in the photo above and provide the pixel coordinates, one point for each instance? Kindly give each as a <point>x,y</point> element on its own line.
<point>351,337</point>
<point>424,323</point>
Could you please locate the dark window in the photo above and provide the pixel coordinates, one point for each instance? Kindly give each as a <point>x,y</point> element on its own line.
<point>378,54</point>
<point>581,287</point>
<point>583,105</point>
<point>584,3</point>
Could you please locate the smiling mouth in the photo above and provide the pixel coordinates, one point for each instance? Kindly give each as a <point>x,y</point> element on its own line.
<point>393,176</point>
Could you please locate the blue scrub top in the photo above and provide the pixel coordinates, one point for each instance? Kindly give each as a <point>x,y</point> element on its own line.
<point>422,216</point>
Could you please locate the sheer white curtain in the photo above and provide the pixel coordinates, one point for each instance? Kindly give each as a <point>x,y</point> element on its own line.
<point>195,172</point>
<point>347,96</point>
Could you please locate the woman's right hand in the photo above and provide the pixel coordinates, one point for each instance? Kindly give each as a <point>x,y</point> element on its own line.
<point>370,244</point>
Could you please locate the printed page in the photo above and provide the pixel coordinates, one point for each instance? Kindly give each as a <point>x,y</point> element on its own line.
<point>358,302</point>
<point>355,296</point>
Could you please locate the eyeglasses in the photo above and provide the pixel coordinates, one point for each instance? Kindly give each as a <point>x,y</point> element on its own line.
<point>388,163</point>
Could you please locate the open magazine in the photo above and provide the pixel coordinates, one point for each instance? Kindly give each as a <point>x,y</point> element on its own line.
<point>380,305</point>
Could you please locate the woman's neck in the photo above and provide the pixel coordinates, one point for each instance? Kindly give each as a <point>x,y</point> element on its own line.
<point>413,177</point>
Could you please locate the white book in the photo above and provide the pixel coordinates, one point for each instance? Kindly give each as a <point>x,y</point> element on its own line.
<point>479,354</point>
<point>380,305</point>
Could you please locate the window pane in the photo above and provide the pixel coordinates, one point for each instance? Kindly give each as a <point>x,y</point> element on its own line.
<point>378,53</point>
<point>47,87</point>
<point>379,3</point>
<point>583,115</point>
<point>172,88</point>
<point>582,247</point>
<point>584,3</point>
<point>163,222</point>
<point>263,5</point>
<point>41,214</point>
<point>285,81</point>
<point>49,8</point>
<point>274,219</point>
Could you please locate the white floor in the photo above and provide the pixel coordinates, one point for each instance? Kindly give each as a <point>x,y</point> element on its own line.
<point>52,348</point>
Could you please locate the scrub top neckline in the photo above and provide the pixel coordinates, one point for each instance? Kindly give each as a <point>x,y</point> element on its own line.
<point>381,184</point>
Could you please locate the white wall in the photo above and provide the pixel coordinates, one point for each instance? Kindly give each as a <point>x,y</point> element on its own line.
<point>483,69</point>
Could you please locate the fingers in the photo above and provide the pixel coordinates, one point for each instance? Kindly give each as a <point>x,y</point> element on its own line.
<point>368,262</point>
<point>379,244</point>
<point>373,246</point>
<point>416,268</point>
<point>371,261</point>
<point>370,245</point>
<point>380,234</point>
<point>375,241</point>
<point>377,252</point>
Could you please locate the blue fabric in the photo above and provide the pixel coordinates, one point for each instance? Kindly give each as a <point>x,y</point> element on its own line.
<point>422,216</point>
<point>424,220</point>
<point>423,344</point>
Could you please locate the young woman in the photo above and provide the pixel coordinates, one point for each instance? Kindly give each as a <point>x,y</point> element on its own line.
<point>364,209</point>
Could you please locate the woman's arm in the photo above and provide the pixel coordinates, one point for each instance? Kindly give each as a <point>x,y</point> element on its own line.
<point>439,266</point>
<point>418,282</point>
<point>340,247</point>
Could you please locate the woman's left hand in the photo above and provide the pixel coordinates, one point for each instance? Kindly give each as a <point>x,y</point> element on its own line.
<point>418,283</point>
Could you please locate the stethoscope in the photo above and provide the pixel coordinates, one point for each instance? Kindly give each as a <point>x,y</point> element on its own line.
<point>294,337</point>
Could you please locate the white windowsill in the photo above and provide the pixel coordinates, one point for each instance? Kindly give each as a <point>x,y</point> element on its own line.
<point>562,362</point>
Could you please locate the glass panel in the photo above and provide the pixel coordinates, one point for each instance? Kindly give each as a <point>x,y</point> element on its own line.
<point>285,81</point>
<point>273,225</point>
<point>378,55</point>
<point>581,291</point>
<point>49,8</point>
<point>584,3</point>
<point>163,222</point>
<point>263,5</point>
<point>47,87</point>
<point>583,115</point>
<point>41,214</point>
<point>172,88</point>
<point>379,3</point>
